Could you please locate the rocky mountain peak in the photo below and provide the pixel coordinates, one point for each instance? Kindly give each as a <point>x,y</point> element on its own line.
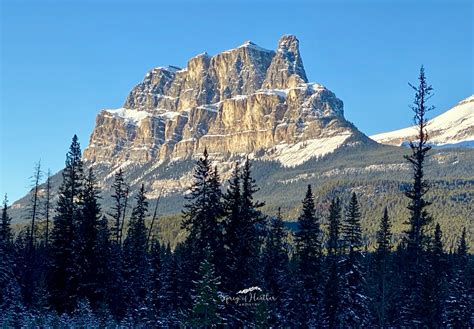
<point>246,100</point>
<point>286,69</point>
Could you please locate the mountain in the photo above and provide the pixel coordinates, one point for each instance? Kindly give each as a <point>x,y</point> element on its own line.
<point>254,102</point>
<point>246,100</point>
<point>453,128</point>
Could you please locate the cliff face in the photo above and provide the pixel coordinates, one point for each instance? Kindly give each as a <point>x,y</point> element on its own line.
<point>246,100</point>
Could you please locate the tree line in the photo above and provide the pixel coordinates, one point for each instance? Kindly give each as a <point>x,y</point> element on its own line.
<point>237,267</point>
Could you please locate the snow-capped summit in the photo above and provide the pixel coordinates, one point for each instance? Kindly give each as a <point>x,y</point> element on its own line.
<point>453,128</point>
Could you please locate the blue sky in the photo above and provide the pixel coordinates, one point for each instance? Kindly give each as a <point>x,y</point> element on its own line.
<point>63,61</point>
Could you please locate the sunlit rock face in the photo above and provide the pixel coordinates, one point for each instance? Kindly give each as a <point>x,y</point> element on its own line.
<point>247,100</point>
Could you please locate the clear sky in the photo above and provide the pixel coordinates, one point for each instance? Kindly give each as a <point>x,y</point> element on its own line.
<point>63,61</point>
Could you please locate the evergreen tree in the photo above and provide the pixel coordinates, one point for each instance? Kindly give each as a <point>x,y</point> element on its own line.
<point>332,289</point>
<point>156,256</point>
<point>203,210</point>
<point>205,311</point>
<point>353,310</point>
<point>119,198</point>
<point>62,281</point>
<point>382,271</point>
<point>103,270</point>
<point>308,254</point>
<point>416,239</point>
<point>47,207</point>
<point>251,228</point>
<point>351,227</point>
<point>458,305</point>
<point>168,295</point>
<point>115,282</point>
<point>333,243</point>
<point>5,227</point>
<point>37,174</point>
<point>419,217</point>
<point>331,296</point>
<point>135,252</point>
<point>6,250</point>
<point>86,243</point>
<point>232,228</point>
<point>276,269</point>
<point>434,282</point>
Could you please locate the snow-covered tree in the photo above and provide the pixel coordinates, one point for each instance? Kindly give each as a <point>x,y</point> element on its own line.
<point>207,305</point>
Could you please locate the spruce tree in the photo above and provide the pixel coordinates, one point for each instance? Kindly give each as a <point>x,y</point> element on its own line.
<point>434,282</point>
<point>353,310</point>
<point>232,229</point>
<point>332,289</point>
<point>308,254</point>
<point>381,271</point>
<point>275,270</point>
<point>62,281</point>
<point>331,296</point>
<point>203,210</point>
<point>102,262</point>
<point>206,308</point>
<point>156,256</point>
<point>35,201</point>
<point>351,227</point>
<point>168,294</point>
<point>5,227</point>
<point>135,252</point>
<point>251,227</point>
<point>458,305</point>
<point>6,251</point>
<point>415,237</point>
<point>86,243</point>
<point>334,220</point>
<point>119,198</point>
<point>47,207</point>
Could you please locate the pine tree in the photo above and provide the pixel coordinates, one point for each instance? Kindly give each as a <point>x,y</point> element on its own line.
<point>37,174</point>
<point>351,227</point>
<point>308,253</point>
<point>86,243</point>
<point>353,311</point>
<point>6,250</point>
<point>232,228</point>
<point>156,256</point>
<point>334,243</point>
<point>115,282</point>
<point>168,294</point>
<point>5,227</point>
<point>135,252</point>
<point>416,239</point>
<point>332,289</point>
<point>119,197</point>
<point>331,296</point>
<point>434,282</point>
<point>203,210</point>
<point>419,217</point>
<point>103,271</point>
<point>458,305</point>
<point>47,207</point>
<point>382,269</point>
<point>205,311</point>
<point>275,265</point>
<point>62,277</point>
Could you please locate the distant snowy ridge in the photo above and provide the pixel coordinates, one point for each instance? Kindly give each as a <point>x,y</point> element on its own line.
<point>453,128</point>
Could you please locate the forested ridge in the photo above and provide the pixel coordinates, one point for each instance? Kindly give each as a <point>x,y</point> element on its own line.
<point>235,266</point>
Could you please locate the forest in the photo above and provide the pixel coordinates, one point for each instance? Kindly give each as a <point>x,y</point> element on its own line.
<point>236,267</point>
